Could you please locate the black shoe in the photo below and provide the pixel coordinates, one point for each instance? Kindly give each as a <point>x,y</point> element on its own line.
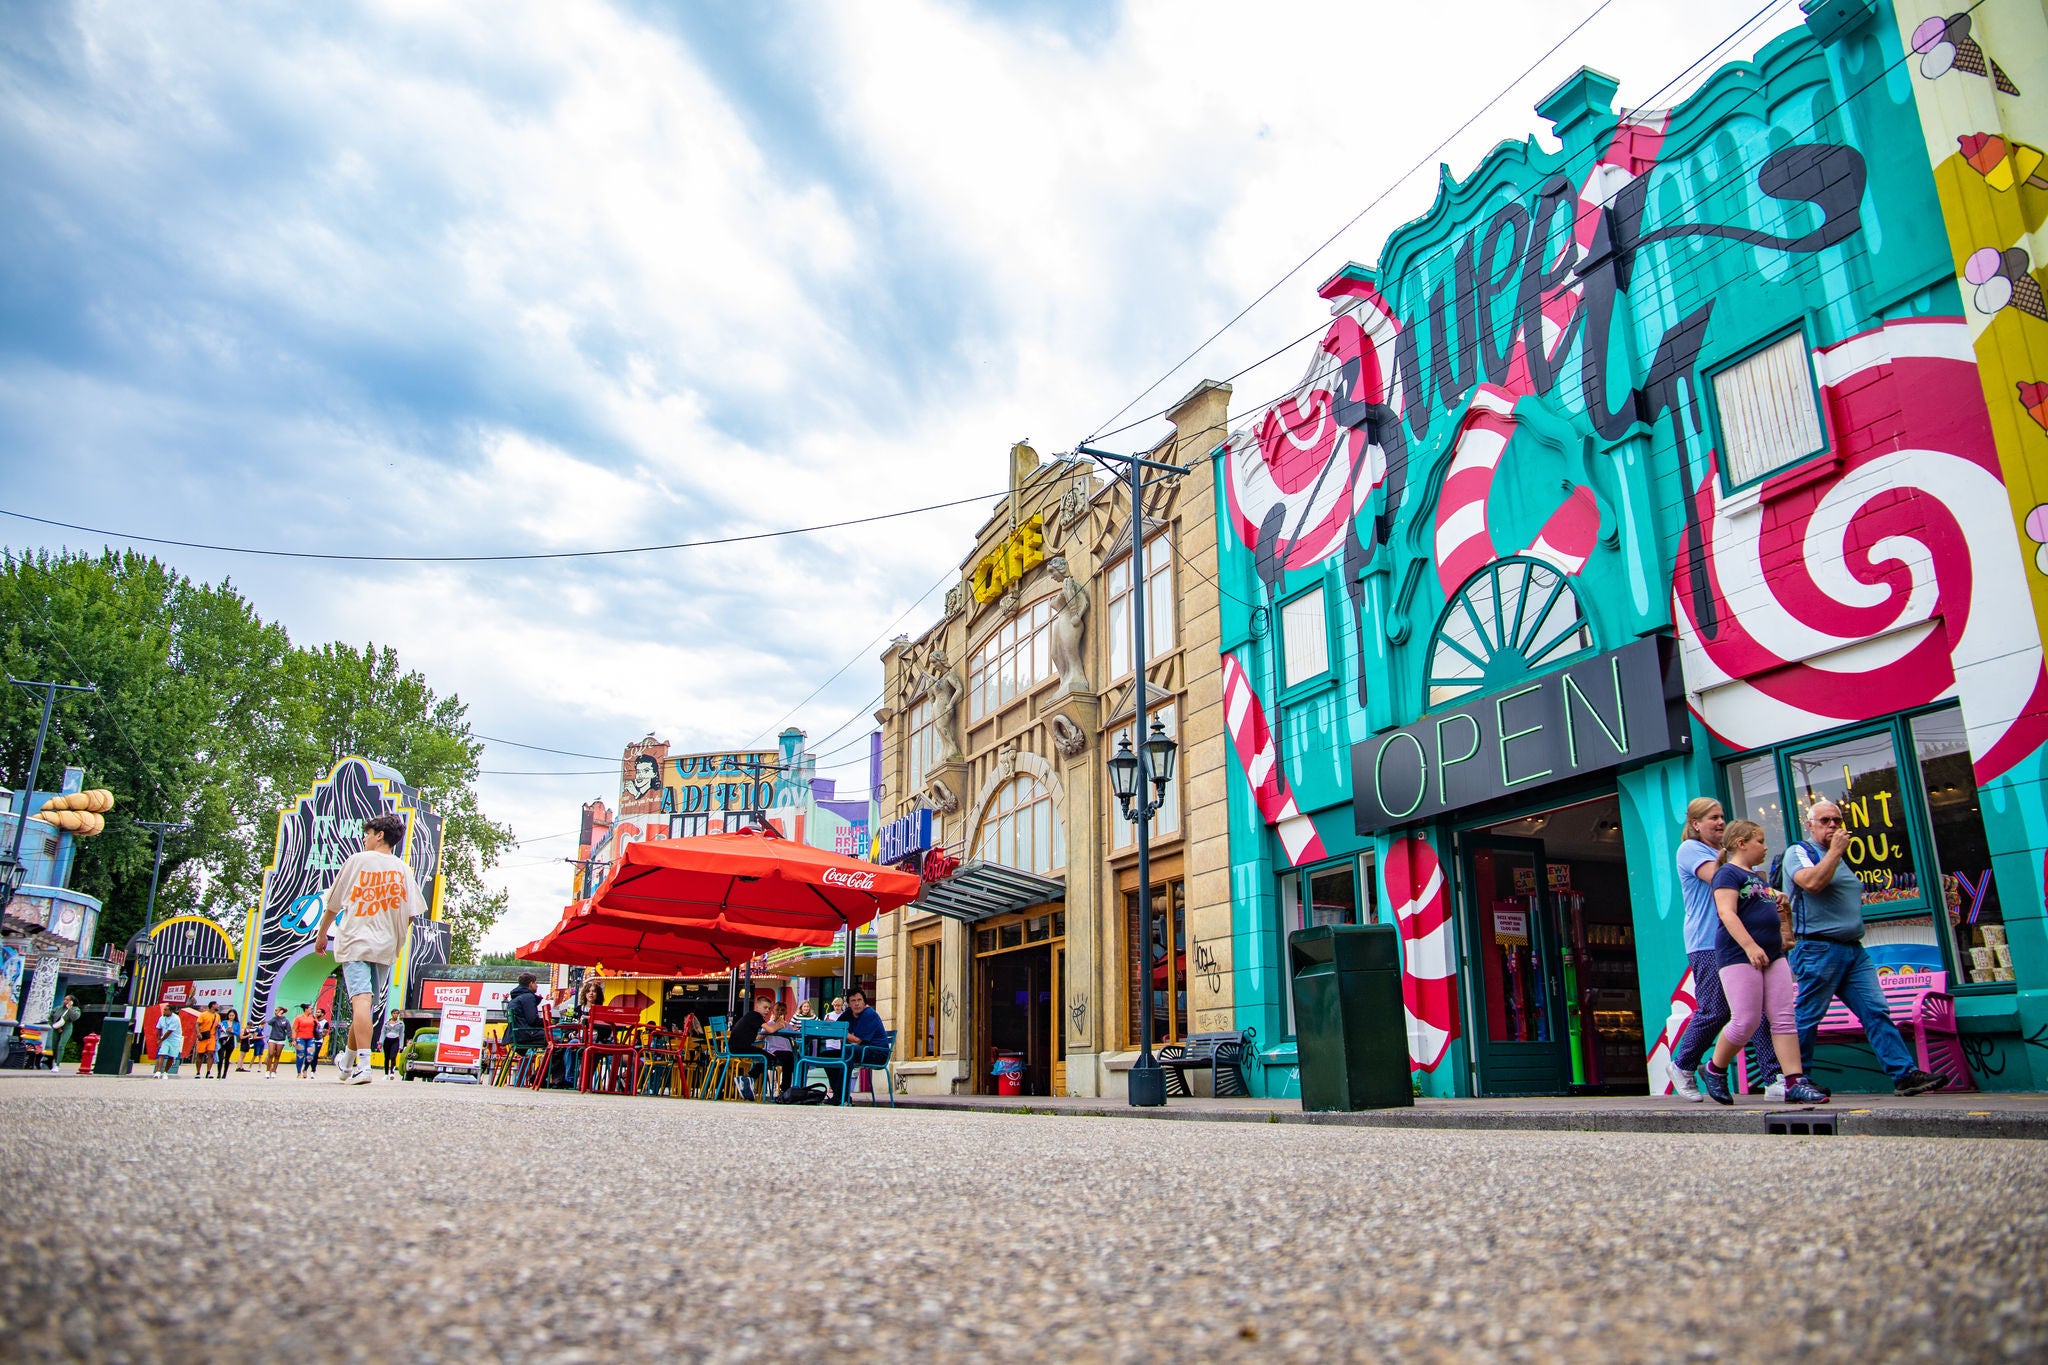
<point>1918,1082</point>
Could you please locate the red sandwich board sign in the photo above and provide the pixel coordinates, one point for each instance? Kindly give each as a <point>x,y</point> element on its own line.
<point>461,1041</point>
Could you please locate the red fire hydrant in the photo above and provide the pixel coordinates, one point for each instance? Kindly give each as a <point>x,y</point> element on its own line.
<point>86,1049</point>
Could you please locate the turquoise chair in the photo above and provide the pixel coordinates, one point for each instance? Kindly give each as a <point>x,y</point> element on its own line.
<point>725,1065</point>
<point>828,1062</point>
<point>888,1076</point>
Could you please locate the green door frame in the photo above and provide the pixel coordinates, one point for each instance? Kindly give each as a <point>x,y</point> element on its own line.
<point>1516,1068</point>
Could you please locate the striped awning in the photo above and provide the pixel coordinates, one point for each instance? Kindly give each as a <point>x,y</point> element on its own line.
<point>980,891</point>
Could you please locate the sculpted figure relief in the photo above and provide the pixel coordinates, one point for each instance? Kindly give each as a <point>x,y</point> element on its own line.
<point>945,689</point>
<point>1067,624</point>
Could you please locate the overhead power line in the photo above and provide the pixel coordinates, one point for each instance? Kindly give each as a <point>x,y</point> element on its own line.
<point>505,558</point>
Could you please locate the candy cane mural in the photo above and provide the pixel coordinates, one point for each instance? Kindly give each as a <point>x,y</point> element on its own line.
<point>1252,741</point>
<point>1422,912</point>
<point>1874,590</point>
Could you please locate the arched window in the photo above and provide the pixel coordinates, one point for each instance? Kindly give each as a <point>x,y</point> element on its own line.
<point>1021,829</point>
<point>1512,618</point>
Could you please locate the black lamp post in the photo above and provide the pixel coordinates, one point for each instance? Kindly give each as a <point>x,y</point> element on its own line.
<point>1128,773</point>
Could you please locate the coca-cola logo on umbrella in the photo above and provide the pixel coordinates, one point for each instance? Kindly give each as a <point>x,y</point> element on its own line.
<point>853,881</point>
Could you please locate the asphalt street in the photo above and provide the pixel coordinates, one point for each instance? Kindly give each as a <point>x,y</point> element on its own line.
<point>304,1221</point>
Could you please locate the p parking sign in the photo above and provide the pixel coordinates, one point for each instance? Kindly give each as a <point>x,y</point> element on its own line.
<point>461,1041</point>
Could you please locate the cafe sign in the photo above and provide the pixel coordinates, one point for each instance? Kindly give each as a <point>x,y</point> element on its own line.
<point>1609,711</point>
<point>1023,551</point>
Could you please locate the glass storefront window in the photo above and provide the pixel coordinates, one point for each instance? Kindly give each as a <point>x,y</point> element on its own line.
<point>1169,963</point>
<point>1861,775</point>
<point>1753,795</point>
<point>1968,895</point>
<point>1332,897</point>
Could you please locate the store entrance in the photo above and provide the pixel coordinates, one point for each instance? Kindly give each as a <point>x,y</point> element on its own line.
<point>1553,954</point>
<point>1018,964</point>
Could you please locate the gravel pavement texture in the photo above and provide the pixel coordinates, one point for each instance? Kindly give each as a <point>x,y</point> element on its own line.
<point>305,1221</point>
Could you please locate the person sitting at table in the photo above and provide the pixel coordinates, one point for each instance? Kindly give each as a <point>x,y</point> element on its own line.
<point>776,1045</point>
<point>806,1010</point>
<point>867,1042</point>
<point>745,1036</point>
<point>838,1010</point>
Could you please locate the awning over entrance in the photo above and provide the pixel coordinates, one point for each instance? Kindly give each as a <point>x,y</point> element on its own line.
<point>979,891</point>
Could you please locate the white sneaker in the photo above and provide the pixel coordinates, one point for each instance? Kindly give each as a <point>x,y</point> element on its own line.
<point>1775,1091</point>
<point>361,1075</point>
<point>1683,1084</point>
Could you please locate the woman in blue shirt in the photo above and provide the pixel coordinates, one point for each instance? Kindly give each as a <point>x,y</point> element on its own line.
<point>1756,980</point>
<point>1699,858</point>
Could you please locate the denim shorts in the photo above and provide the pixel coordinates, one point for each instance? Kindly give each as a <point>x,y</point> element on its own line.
<point>366,978</point>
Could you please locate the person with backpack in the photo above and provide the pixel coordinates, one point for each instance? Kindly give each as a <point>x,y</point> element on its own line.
<point>1829,959</point>
<point>1699,859</point>
<point>1756,981</point>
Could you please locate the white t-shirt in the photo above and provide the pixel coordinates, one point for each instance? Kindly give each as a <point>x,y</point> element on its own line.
<point>374,899</point>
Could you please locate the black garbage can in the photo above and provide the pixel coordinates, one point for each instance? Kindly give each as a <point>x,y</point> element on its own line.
<point>1348,1026</point>
<point>115,1040</point>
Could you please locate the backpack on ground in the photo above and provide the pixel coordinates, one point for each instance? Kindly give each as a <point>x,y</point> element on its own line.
<point>803,1094</point>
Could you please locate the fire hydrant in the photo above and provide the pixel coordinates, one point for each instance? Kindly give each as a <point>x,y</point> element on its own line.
<point>86,1049</point>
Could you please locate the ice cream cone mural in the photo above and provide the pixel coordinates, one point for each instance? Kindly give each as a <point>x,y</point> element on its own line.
<point>2002,164</point>
<point>2003,281</point>
<point>1945,45</point>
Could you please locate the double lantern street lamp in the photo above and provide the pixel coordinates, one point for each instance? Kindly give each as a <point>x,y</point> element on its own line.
<point>1129,772</point>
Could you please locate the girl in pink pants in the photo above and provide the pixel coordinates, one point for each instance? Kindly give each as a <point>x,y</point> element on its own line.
<point>1755,977</point>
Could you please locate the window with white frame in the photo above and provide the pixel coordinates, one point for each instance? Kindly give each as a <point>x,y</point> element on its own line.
<point>1304,637</point>
<point>1159,622</point>
<point>1769,415</point>
<point>1012,661</point>
<point>1122,833</point>
<point>921,746</point>
<point>1021,829</point>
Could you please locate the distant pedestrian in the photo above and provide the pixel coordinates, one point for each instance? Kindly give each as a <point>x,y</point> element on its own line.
<point>1829,959</point>
<point>394,1039</point>
<point>276,1033</point>
<point>326,1027</point>
<point>305,1040</point>
<point>1756,980</point>
<point>372,904</point>
<point>224,1050</point>
<point>170,1042</point>
<point>60,1027</point>
<point>205,1038</point>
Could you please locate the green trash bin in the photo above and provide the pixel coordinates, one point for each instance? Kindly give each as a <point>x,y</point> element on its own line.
<point>115,1040</point>
<point>1348,1024</point>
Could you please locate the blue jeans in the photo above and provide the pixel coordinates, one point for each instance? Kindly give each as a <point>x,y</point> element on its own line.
<point>859,1055</point>
<point>1826,969</point>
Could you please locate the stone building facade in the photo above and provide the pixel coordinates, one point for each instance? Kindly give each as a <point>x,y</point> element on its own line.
<point>998,720</point>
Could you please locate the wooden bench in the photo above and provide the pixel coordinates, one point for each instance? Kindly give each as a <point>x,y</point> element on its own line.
<point>1221,1054</point>
<point>1925,1013</point>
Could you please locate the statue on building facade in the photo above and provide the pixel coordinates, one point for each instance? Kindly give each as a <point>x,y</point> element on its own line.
<point>1069,616</point>
<point>943,686</point>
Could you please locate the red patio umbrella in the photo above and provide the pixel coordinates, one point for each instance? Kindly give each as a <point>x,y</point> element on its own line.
<point>753,879</point>
<point>586,937</point>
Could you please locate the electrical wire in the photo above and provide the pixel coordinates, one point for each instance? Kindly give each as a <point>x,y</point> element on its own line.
<point>944,579</point>
<point>507,558</point>
<point>540,748</point>
<point>1374,203</point>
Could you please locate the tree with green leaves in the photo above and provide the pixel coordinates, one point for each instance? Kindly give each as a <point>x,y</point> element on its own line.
<point>206,713</point>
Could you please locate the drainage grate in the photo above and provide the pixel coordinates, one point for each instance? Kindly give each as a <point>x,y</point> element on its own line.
<point>1802,1125</point>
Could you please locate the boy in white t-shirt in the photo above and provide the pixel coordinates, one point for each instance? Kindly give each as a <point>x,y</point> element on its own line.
<point>371,905</point>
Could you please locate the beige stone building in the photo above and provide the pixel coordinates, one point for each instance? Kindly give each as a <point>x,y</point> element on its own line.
<point>999,719</point>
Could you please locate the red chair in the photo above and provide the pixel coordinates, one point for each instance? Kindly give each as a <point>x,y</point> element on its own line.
<point>615,1065</point>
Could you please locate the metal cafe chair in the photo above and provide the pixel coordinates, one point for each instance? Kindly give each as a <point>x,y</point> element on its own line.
<point>724,1080</point>
<point>613,1065</point>
<point>868,1068</point>
<point>816,1033</point>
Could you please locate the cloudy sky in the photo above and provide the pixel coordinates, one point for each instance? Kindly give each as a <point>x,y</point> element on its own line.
<point>465,278</point>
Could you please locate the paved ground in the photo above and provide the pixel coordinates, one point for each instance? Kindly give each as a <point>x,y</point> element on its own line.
<point>1964,1114</point>
<point>441,1222</point>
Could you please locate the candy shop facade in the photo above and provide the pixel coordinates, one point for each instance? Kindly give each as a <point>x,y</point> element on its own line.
<point>1697,452</point>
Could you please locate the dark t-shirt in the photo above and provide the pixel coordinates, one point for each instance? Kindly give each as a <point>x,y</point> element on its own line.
<point>1755,907</point>
<point>746,1033</point>
<point>866,1028</point>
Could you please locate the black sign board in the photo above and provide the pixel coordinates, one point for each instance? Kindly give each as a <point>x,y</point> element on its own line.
<point>1609,711</point>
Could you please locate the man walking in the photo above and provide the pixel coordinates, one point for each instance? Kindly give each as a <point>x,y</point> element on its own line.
<point>170,1041</point>
<point>371,904</point>
<point>1829,959</point>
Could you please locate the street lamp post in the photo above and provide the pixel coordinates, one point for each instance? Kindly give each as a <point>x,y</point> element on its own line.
<point>1145,1082</point>
<point>160,828</point>
<point>11,875</point>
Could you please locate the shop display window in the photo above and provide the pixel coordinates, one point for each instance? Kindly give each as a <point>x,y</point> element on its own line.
<point>1169,964</point>
<point>1908,797</point>
<point>1332,897</point>
<point>1969,897</point>
<point>924,997</point>
<point>1166,820</point>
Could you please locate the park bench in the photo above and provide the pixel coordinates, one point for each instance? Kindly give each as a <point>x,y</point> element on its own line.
<point>1220,1054</point>
<point>1926,1015</point>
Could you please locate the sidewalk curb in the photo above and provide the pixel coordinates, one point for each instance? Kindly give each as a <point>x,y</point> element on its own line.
<point>1746,1120</point>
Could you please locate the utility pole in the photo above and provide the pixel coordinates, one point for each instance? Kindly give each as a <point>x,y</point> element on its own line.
<point>161,828</point>
<point>1145,1082</point>
<point>13,872</point>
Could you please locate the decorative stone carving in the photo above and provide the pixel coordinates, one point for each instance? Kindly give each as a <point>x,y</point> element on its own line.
<point>943,685</point>
<point>1073,504</point>
<point>940,797</point>
<point>1006,763</point>
<point>956,599</point>
<point>1068,621</point>
<point>1006,605</point>
<point>1069,738</point>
